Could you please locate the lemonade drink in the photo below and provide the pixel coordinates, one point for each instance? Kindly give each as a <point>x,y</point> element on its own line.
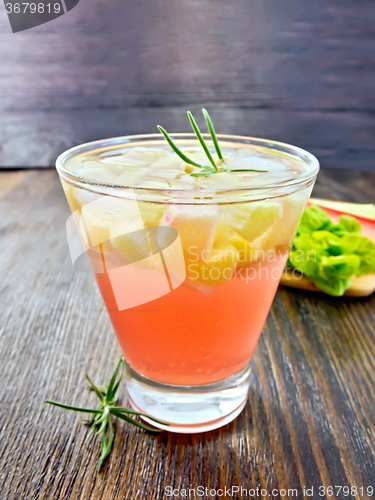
<point>234,230</point>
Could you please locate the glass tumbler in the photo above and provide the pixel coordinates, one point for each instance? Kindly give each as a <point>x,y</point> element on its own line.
<point>188,277</point>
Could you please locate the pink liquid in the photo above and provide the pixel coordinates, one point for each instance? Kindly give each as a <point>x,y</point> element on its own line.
<point>190,338</point>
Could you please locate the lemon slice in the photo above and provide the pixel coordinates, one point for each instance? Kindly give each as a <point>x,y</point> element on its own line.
<point>253,219</point>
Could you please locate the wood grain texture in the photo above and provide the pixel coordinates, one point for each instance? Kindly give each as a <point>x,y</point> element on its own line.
<point>292,71</point>
<point>310,419</point>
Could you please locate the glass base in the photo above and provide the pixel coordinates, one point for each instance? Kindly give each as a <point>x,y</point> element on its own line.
<point>189,409</point>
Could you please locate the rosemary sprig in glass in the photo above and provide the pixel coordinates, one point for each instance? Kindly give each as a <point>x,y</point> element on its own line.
<point>207,170</point>
<point>101,417</point>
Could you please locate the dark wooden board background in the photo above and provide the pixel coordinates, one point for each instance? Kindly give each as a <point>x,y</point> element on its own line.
<point>290,70</point>
<point>310,419</point>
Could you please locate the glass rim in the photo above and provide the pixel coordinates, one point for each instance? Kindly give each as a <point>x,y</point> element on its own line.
<point>303,178</point>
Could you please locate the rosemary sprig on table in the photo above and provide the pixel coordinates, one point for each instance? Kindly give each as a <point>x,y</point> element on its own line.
<point>207,170</point>
<point>101,417</point>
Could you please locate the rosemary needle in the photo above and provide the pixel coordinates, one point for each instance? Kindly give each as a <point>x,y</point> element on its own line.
<point>201,140</point>
<point>101,422</point>
<point>211,128</point>
<point>176,150</point>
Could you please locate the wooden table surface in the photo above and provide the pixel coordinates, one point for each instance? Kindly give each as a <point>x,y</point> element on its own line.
<point>309,421</point>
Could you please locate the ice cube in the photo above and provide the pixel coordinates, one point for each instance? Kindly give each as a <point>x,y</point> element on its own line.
<point>198,156</point>
<point>153,182</point>
<point>151,213</point>
<point>130,239</point>
<point>146,154</point>
<point>124,161</point>
<point>245,152</point>
<point>82,196</point>
<point>106,211</point>
<point>222,180</point>
<point>256,162</point>
<point>167,174</point>
<point>168,179</point>
<point>98,173</point>
<point>196,226</point>
<point>280,235</point>
<point>185,182</point>
<point>116,169</point>
<point>168,162</point>
<point>74,164</point>
<point>129,177</point>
